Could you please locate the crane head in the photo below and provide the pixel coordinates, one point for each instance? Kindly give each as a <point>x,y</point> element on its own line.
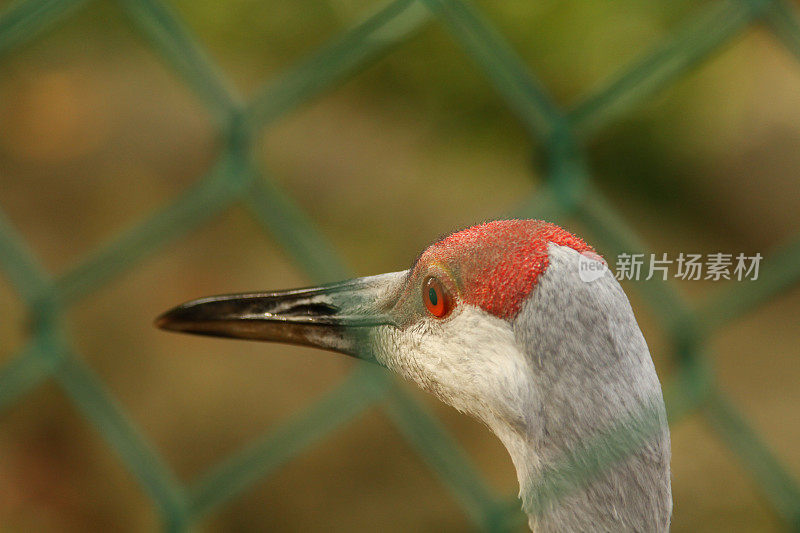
<point>447,323</point>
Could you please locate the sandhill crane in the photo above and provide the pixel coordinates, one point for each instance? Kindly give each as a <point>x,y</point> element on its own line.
<point>498,321</point>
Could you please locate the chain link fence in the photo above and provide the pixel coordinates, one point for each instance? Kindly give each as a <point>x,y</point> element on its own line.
<point>568,192</point>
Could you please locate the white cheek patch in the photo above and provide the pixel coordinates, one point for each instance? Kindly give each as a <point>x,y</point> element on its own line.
<point>470,361</point>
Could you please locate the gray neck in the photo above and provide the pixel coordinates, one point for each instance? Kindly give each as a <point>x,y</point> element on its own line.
<point>592,375</point>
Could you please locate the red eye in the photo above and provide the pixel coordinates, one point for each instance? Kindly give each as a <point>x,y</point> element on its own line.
<point>437,300</point>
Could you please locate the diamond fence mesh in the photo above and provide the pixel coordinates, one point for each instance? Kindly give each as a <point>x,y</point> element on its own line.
<point>235,179</point>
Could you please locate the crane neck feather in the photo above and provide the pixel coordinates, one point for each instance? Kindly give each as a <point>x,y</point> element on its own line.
<point>592,388</point>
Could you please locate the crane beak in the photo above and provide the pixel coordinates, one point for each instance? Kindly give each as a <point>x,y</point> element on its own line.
<point>336,317</point>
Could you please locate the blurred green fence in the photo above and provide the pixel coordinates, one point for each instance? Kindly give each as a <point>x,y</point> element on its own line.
<point>234,178</point>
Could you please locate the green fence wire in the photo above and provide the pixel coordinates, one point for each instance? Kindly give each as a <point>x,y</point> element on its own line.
<point>235,179</point>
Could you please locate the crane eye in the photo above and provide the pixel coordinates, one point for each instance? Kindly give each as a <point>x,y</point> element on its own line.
<point>437,300</point>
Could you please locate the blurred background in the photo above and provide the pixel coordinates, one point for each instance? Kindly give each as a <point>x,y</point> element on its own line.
<point>97,132</point>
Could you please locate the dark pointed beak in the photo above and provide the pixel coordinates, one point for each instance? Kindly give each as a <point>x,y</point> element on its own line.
<point>333,317</point>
